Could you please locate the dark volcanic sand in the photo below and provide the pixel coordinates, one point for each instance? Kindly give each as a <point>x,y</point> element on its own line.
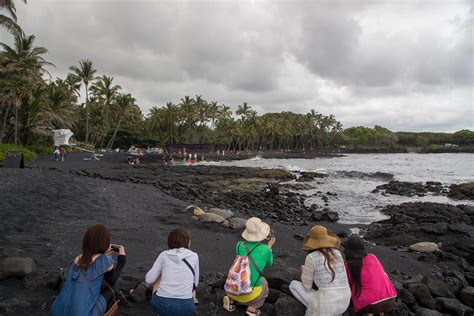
<point>47,207</point>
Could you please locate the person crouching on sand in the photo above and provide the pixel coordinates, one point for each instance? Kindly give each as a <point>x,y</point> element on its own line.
<point>372,291</point>
<point>175,276</point>
<point>259,256</point>
<point>324,266</point>
<point>81,293</point>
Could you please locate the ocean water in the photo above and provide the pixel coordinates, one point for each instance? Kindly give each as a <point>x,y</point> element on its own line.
<point>351,177</point>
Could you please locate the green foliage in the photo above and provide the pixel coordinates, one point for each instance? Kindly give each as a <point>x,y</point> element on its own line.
<point>463,137</point>
<point>28,153</point>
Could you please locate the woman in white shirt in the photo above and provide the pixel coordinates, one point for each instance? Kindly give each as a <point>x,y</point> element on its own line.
<point>175,275</point>
<point>324,266</point>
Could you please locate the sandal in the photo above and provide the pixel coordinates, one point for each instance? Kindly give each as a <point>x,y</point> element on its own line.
<point>257,312</point>
<point>227,305</point>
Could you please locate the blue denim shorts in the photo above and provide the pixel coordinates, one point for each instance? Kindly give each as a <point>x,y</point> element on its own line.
<point>172,306</point>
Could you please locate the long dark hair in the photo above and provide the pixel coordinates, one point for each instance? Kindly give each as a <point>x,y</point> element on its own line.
<point>95,241</point>
<point>355,268</point>
<point>329,258</point>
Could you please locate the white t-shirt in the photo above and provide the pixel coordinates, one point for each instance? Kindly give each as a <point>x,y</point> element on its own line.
<point>176,278</point>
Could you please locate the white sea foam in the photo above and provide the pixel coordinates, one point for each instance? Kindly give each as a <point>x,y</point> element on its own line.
<point>354,201</point>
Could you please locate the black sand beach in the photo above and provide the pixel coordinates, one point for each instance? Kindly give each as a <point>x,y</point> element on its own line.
<point>47,207</point>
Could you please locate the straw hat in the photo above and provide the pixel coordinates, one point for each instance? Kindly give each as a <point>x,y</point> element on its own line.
<point>319,238</point>
<point>355,247</point>
<point>255,229</point>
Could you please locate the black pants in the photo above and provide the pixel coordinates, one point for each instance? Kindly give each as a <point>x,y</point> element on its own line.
<point>108,294</point>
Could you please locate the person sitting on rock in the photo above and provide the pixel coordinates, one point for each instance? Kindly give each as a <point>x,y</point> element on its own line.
<point>175,276</point>
<point>81,293</point>
<point>372,291</point>
<point>324,266</point>
<point>260,255</point>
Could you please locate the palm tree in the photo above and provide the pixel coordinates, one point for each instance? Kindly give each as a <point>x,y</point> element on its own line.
<point>9,22</point>
<point>105,91</point>
<point>85,72</point>
<point>24,66</point>
<point>24,58</point>
<point>123,104</point>
<point>60,106</point>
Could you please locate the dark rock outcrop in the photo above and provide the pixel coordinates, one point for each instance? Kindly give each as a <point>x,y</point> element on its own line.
<point>16,267</point>
<point>409,223</point>
<point>463,191</point>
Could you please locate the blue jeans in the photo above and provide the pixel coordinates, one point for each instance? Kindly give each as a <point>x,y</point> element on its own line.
<point>172,306</point>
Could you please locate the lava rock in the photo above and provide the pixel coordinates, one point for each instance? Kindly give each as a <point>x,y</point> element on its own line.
<point>287,305</point>
<point>427,312</point>
<point>267,309</point>
<point>406,296</point>
<point>463,191</point>
<point>399,309</point>
<point>127,282</point>
<point>237,222</point>
<point>214,279</point>
<point>138,295</point>
<point>12,305</point>
<point>16,267</point>
<point>422,295</point>
<point>55,280</point>
<point>437,287</point>
<point>452,305</point>
<point>467,296</point>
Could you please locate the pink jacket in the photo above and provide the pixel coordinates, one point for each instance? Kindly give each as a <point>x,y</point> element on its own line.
<point>376,285</point>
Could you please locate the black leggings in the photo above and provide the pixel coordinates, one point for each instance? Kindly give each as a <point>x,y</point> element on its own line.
<point>109,295</point>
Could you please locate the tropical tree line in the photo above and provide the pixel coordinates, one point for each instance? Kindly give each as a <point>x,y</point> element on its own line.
<point>382,137</point>
<point>196,120</point>
<point>32,104</point>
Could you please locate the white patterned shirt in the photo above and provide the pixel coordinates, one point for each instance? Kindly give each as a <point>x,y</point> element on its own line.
<point>316,270</point>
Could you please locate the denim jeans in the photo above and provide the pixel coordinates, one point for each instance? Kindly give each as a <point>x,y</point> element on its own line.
<point>172,306</point>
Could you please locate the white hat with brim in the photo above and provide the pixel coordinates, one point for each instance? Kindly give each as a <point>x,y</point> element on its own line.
<point>255,230</point>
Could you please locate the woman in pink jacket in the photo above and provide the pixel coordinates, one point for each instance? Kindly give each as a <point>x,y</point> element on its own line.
<point>372,291</point>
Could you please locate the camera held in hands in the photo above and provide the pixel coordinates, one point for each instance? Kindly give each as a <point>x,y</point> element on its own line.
<point>115,248</point>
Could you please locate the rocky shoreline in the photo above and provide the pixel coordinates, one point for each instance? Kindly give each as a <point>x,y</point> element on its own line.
<point>48,206</point>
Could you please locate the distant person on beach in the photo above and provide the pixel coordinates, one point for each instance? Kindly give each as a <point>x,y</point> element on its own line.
<point>372,291</point>
<point>259,255</point>
<point>175,276</point>
<point>324,266</point>
<point>56,153</point>
<point>62,152</point>
<point>87,274</point>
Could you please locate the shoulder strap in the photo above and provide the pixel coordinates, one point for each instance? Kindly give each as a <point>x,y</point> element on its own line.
<point>192,270</point>
<point>252,261</point>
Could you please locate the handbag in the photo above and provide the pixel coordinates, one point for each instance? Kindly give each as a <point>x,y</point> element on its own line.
<point>114,308</point>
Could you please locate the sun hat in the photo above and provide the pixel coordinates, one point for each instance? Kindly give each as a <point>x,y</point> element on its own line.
<point>319,238</point>
<point>255,229</point>
<point>355,247</point>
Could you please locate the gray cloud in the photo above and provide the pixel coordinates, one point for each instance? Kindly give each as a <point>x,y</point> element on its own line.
<point>406,65</point>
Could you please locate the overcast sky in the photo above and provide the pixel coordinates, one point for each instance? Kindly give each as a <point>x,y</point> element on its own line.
<point>403,64</point>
